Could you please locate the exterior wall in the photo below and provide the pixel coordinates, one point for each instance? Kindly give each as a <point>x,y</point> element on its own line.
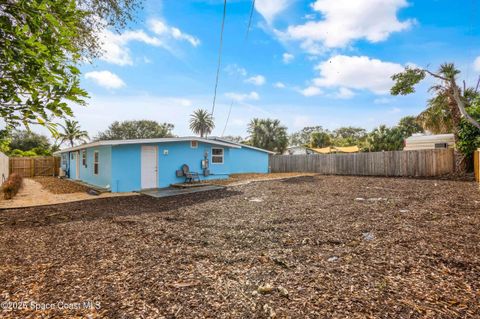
<point>247,160</point>
<point>86,172</point>
<point>126,164</point>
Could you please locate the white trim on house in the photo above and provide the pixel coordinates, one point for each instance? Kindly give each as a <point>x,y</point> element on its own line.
<point>241,145</point>
<point>150,141</point>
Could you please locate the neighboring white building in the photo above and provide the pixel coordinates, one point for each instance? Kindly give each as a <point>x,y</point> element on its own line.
<point>298,150</point>
<point>427,142</point>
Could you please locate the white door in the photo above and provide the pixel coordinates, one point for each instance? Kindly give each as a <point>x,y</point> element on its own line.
<point>77,165</point>
<point>149,167</point>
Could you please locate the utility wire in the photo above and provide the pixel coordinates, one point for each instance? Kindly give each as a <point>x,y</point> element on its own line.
<point>252,9</point>
<point>219,55</point>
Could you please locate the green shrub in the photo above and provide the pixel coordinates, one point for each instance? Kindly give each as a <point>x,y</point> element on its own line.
<point>12,185</point>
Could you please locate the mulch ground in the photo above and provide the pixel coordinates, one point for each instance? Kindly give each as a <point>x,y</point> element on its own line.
<point>59,186</point>
<point>240,178</point>
<point>308,247</point>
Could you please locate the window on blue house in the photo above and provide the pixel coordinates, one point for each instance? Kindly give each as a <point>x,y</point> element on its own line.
<point>84,158</point>
<point>95,162</point>
<point>217,155</point>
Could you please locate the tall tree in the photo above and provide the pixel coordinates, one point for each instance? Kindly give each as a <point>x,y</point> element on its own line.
<point>201,122</point>
<point>303,137</point>
<point>71,132</point>
<point>349,136</point>
<point>42,41</point>
<point>436,118</point>
<point>28,140</point>
<point>320,139</point>
<point>268,134</point>
<point>384,138</point>
<point>408,125</point>
<point>138,129</point>
<point>452,97</point>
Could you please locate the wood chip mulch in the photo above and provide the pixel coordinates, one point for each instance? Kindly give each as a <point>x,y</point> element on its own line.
<point>60,186</point>
<point>308,247</point>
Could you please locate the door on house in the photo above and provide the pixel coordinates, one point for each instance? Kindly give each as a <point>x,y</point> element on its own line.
<point>77,165</point>
<point>149,167</point>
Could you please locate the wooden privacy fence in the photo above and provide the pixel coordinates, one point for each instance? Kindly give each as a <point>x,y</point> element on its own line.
<point>421,163</point>
<point>35,166</point>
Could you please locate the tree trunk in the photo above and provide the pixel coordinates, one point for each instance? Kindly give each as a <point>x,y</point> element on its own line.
<point>461,160</point>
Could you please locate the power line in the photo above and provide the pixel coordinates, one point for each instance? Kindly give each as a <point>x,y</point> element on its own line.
<point>219,55</point>
<point>252,9</point>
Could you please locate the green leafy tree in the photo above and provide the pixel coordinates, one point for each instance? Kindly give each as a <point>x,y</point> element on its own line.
<point>268,134</point>
<point>42,41</point>
<point>201,122</point>
<point>449,94</point>
<point>437,117</point>
<point>303,137</point>
<point>408,126</point>
<point>349,136</point>
<point>469,135</point>
<point>71,132</point>
<point>140,129</point>
<point>320,139</point>
<point>384,138</point>
<point>28,140</point>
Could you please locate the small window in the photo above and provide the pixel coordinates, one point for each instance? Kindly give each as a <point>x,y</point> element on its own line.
<point>193,144</point>
<point>217,155</point>
<point>72,156</point>
<point>441,145</point>
<point>95,162</point>
<point>84,158</point>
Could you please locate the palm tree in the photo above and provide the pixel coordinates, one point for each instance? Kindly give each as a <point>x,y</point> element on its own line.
<point>268,134</point>
<point>201,122</point>
<point>72,132</point>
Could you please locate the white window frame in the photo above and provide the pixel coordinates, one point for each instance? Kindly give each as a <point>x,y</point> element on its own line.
<point>84,158</point>
<point>222,156</point>
<point>192,144</point>
<point>96,162</point>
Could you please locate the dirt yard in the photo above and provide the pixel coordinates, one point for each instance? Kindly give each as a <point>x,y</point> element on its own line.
<point>44,190</point>
<point>307,247</point>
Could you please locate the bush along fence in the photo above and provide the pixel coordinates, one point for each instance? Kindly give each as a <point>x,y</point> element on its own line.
<point>421,163</point>
<point>11,187</point>
<point>35,166</point>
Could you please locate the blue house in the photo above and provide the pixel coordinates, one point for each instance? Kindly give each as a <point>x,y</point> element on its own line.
<point>133,165</point>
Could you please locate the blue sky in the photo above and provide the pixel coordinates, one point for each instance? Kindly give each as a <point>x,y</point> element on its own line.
<point>323,62</point>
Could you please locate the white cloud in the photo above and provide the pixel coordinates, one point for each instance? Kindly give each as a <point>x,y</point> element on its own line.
<point>242,97</point>
<point>357,72</point>
<point>344,21</point>
<point>234,69</point>
<point>269,9</point>
<point>344,93</point>
<point>287,58</point>
<point>256,80</point>
<point>395,110</point>
<point>106,79</point>
<point>162,29</point>
<point>279,85</point>
<point>311,91</point>
<point>115,49</point>
<point>476,64</point>
<point>115,46</point>
<point>382,100</point>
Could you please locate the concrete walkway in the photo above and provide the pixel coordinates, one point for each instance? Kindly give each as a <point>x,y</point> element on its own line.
<point>171,191</point>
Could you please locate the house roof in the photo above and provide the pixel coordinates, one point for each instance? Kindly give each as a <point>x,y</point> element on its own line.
<point>241,145</point>
<point>150,141</point>
<point>430,137</point>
